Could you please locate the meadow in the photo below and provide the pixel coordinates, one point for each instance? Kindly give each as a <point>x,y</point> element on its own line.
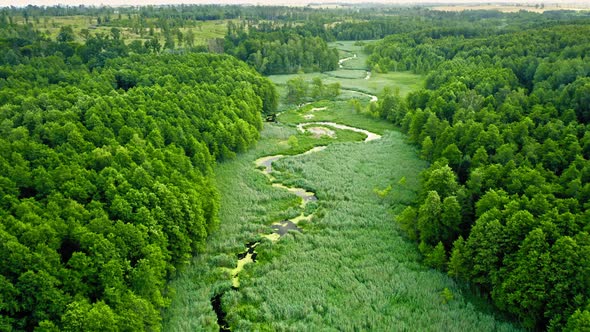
<point>339,111</point>
<point>353,49</point>
<point>51,25</point>
<point>350,268</point>
<point>354,78</point>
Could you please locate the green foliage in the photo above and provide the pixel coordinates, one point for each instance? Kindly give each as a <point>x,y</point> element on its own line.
<point>457,266</point>
<point>436,257</point>
<point>347,243</point>
<point>578,321</point>
<point>297,89</point>
<point>107,182</point>
<point>392,106</point>
<point>293,142</point>
<point>429,224</point>
<point>447,295</point>
<point>382,193</point>
<point>402,181</point>
<point>427,148</point>
<point>506,135</point>
<point>407,221</point>
<point>279,49</point>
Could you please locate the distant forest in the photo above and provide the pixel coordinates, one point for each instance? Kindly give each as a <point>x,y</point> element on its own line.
<point>107,147</point>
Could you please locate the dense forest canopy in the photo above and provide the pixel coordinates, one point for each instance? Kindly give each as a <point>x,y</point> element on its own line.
<point>106,180</point>
<point>504,120</point>
<point>280,50</point>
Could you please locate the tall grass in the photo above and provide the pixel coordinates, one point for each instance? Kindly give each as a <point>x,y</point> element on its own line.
<point>350,269</point>
<point>249,206</point>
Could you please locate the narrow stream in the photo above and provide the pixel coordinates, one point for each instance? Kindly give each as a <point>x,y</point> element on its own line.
<point>216,303</point>
<point>280,228</point>
<point>341,61</point>
<point>370,136</point>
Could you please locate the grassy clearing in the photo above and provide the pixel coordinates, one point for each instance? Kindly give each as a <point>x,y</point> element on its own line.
<point>405,82</point>
<point>203,31</point>
<point>352,77</point>
<point>349,269</point>
<point>306,141</point>
<point>336,111</point>
<point>350,48</point>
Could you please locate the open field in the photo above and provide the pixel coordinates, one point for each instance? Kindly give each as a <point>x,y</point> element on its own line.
<point>403,81</point>
<point>203,30</point>
<point>354,77</point>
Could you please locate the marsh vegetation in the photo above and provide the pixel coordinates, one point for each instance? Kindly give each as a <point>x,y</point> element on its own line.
<point>346,264</point>
<point>417,167</point>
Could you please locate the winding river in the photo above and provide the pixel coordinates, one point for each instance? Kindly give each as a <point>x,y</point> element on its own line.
<point>341,61</point>
<point>282,227</point>
<point>370,136</point>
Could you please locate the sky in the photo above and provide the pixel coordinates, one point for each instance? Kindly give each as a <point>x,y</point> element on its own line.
<point>20,3</point>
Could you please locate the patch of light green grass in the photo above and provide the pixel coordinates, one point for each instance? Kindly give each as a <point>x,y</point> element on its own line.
<point>405,82</point>
<point>335,111</point>
<point>349,48</point>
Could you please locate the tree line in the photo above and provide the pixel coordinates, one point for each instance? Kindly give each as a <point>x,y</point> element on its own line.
<point>280,49</point>
<point>106,180</point>
<point>504,122</point>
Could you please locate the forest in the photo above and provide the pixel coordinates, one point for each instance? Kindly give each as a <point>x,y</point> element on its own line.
<point>504,122</point>
<point>280,50</point>
<point>127,185</point>
<point>107,182</point>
